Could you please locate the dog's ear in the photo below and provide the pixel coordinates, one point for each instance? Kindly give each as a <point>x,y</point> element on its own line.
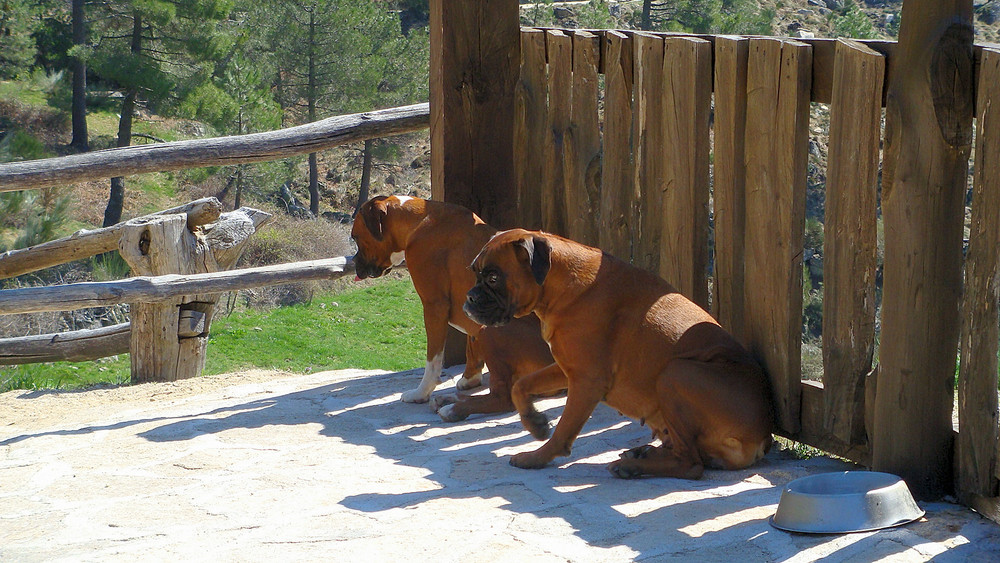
<point>538,251</point>
<point>374,215</point>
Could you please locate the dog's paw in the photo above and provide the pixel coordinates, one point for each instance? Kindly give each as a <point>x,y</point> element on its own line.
<point>537,424</point>
<point>625,468</point>
<point>448,413</point>
<point>637,453</point>
<point>464,384</point>
<point>415,396</point>
<point>529,460</point>
<point>438,401</point>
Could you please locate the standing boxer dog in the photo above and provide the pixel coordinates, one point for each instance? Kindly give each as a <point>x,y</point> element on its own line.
<point>626,337</point>
<point>439,241</point>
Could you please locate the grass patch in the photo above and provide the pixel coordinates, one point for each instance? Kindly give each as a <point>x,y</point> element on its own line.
<point>374,327</point>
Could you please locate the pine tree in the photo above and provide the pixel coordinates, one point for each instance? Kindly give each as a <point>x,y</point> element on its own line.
<point>156,51</point>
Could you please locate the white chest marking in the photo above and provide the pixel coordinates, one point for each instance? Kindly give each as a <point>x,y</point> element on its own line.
<point>397,258</point>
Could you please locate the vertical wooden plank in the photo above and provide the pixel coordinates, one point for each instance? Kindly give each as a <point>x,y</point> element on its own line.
<point>583,143</point>
<point>617,194</point>
<point>559,51</point>
<point>687,104</point>
<point>978,467</point>
<point>850,246</point>
<point>729,182</point>
<point>778,80</point>
<point>529,129</point>
<point>476,44</point>
<point>928,140</point>
<point>647,137</point>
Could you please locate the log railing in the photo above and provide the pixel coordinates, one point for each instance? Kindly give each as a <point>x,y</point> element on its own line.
<point>180,257</point>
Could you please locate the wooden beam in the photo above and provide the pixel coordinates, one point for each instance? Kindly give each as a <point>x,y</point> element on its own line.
<point>583,143</point>
<point>73,346</point>
<point>530,118</point>
<point>617,172</point>
<point>729,186</point>
<point>647,138</point>
<point>850,246</point>
<point>155,289</point>
<point>475,60</point>
<point>559,87</point>
<point>929,112</point>
<point>687,105</point>
<point>178,155</point>
<point>977,452</point>
<point>84,244</point>
<point>776,157</point>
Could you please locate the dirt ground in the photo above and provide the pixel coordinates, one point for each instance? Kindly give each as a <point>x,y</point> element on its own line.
<point>261,465</point>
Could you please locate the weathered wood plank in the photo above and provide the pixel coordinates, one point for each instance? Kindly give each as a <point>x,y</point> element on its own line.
<point>559,51</point>
<point>977,380</point>
<point>928,139</point>
<point>687,105</point>
<point>850,237</point>
<point>74,346</point>
<point>477,47</point>
<point>650,159</point>
<point>729,182</point>
<point>83,244</point>
<point>530,118</point>
<point>162,288</point>
<point>617,189</point>
<point>583,143</point>
<point>218,151</point>
<point>777,122</point>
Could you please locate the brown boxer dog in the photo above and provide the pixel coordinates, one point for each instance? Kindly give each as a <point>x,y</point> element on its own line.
<point>626,337</point>
<point>439,241</point>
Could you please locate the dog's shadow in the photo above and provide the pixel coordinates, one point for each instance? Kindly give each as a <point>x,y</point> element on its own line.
<point>469,460</point>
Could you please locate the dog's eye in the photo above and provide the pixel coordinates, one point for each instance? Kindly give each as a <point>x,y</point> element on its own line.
<point>492,278</point>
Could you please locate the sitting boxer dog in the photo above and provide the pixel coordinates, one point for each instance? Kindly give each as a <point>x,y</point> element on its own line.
<point>439,241</point>
<point>626,337</point>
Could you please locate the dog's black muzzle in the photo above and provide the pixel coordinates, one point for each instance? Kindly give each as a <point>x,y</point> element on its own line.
<point>486,308</point>
<point>365,269</point>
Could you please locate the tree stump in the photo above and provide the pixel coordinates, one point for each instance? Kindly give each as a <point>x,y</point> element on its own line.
<point>169,339</point>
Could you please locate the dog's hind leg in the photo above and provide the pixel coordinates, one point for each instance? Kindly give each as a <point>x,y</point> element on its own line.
<point>546,380</point>
<point>436,327</point>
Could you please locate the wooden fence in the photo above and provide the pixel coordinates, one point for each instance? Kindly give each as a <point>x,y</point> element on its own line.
<point>649,145</point>
<point>180,258</point>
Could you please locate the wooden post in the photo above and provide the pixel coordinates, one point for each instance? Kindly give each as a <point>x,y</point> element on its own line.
<point>617,190</point>
<point>475,62</point>
<point>530,126</point>
<point>929,111</point>
<point>169,338</point>
<point>977,383</point>
<point>729,193</point>
<point>475,66</point>
<point>850,246</point>
<point>778,80</point>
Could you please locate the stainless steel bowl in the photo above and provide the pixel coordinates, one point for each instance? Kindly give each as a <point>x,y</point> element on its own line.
<point>848,501</point>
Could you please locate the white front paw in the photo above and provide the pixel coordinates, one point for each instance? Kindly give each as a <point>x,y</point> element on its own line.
<point>415,396</point>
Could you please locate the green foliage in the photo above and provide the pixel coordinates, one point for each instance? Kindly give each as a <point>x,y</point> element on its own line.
<point>17,48</point>
<point>595,14</point>
<point>18,145</point>
<point>852,22</point>
<point>712,16</point>
<point>375,327</point>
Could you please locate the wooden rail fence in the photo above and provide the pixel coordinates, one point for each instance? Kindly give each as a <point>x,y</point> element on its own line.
<point>620,143</point>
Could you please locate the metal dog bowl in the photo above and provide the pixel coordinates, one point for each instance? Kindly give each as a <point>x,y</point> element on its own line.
<point>849,501</point>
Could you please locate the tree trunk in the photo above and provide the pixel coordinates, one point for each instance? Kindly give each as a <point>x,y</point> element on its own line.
<point>311,96</point>
<point>116,201</point>
<point>366,175</point>
<point>79,104</point>
<point>928,138</point>
<point>646,24</point>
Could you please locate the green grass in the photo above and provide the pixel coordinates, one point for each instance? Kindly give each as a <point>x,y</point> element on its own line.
<point>374,327</point>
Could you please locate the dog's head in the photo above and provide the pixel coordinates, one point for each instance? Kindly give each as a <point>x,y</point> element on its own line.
<point>510,271</point>
<point>376,254</point>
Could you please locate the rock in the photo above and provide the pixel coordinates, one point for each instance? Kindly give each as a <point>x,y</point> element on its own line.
<point>803,34</point>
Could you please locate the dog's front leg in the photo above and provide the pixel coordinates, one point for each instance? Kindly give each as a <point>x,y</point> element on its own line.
<point>580,403</point>
<point>546,380</point>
